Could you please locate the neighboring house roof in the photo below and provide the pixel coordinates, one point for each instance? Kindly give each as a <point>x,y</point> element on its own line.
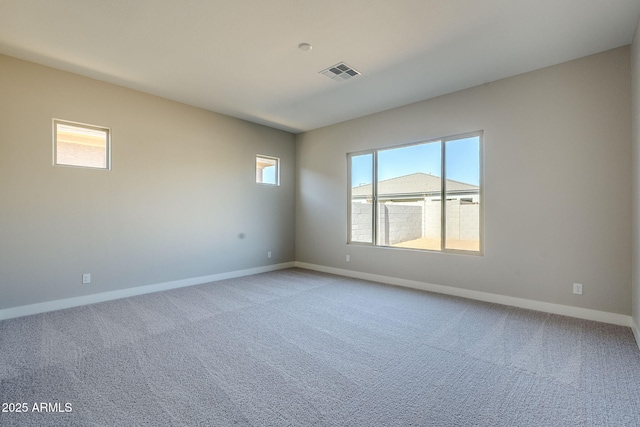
<point>413,185</point>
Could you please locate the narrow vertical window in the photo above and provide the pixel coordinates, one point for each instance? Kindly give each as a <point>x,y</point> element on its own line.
<point>267,170</point>
<point>462,189</point>
<point>361,167</point>
<point>81,145</point>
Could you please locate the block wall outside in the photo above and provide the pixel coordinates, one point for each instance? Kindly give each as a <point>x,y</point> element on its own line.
<point>469,222</point>
<point>401,223</point>
<point>361,224</point>
<point>463,220</point>
<point>432,219</point>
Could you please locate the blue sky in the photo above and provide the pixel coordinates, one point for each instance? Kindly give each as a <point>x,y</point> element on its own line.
<point>462,162</point>
<point>269,174</point>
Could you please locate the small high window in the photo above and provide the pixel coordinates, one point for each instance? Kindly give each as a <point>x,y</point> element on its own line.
<point>267,170</point>
<point>81,145</point>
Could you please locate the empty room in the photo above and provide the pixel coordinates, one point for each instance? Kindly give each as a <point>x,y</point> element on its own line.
<point>327,213</point>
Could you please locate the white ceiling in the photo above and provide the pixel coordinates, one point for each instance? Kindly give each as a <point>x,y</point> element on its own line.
<point>241,57</point>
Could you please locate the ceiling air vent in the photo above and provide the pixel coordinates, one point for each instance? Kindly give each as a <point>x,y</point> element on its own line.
<point>340,72</point>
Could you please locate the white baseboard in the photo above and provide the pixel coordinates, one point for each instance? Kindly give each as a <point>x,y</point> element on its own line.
<point>565,310</point>
<point>43,307</point>
<point>636,332</point>
<point>582,313</point>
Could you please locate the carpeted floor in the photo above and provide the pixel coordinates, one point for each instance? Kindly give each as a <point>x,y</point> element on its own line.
<point>300,348</point>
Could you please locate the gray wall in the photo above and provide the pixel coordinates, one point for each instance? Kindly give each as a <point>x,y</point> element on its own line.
<point>413,221</point>
<point>181,191</point>
<point>399,223</point>
<point>557,185</point>
<point>361,224</point>
<point>636,175</point>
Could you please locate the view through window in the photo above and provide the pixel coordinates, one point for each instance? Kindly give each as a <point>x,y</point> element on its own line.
<point>419,196</point>
<point>267,170</point>
<point>80,145</point>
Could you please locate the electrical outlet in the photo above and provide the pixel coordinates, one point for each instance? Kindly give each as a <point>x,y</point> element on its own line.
<point>348,258</point>
<point>269,254</point>
<point>577,288</point>
<point>86,278</point>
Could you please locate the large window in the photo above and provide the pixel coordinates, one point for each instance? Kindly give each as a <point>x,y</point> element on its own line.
<point>425,195</point>
<point>77,144</point>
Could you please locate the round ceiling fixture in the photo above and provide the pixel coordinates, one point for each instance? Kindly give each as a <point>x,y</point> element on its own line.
<point>305,46</point>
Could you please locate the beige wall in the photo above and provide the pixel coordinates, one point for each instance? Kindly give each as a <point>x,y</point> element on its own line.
<point>181,190</point>
<point>557,185</point>
<point>635,56</point>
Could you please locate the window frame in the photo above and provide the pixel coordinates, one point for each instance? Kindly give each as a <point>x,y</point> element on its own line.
<point>56,122</point>
<point>443,197</point>
<point>277,165</point>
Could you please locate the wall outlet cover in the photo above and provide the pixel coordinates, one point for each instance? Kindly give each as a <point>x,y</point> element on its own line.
<point>577,288</point>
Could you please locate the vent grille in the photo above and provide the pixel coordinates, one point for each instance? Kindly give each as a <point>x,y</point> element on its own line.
<point>340,72</point>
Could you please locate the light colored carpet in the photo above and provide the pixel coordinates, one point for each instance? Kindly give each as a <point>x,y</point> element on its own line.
<point>300,348</point>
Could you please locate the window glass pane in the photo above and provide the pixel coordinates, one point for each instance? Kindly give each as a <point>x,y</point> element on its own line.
<point>362,198</point>
<point>409,196</point>
<point>267,170</point>
<point>462,166</point>
<point>77,145</point>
